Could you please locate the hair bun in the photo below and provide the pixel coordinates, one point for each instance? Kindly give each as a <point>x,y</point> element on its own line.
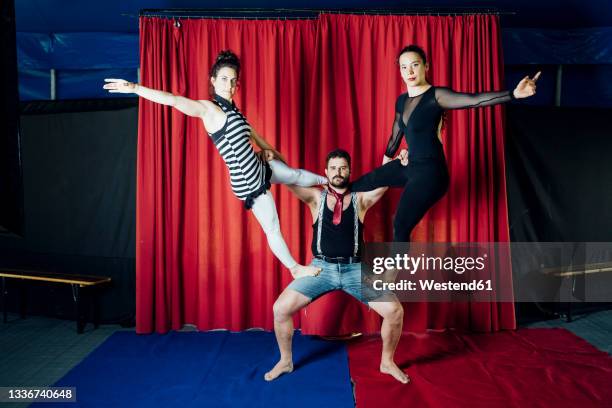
<point>227,56</point>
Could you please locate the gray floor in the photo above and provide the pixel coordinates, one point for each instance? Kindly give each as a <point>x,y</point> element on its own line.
<point>39,351</point>
<point>596,328</point>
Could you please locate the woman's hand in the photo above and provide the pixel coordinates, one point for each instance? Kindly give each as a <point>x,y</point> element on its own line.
<point>114,85</point>
<point>527,87</point>
<point>266,155</point>
<point>403,157</point>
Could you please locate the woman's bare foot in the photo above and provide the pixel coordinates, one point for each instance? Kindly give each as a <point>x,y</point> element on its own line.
<point>282,367</point>
<point>299,271</point>
<point>393,370</point>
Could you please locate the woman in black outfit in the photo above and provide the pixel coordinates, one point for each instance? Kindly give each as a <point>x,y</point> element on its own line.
<point>417,116</point>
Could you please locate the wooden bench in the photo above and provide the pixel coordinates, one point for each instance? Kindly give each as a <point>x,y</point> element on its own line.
<point>82,286</point>
<point>575,271</point>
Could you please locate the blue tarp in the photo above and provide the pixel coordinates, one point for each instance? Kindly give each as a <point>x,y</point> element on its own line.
<point>77,51</point>
<point>209,369</point>
<point>588,46</point>
<point>83,60</point>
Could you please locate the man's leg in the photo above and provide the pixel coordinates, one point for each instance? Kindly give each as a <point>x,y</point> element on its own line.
<point>392,313</point>
<point>386,305</point>
<point>289,302</point>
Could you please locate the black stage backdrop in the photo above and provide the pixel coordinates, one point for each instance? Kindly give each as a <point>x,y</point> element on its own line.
<point>79,197</point>
<point>11,185</point>
<point>559,174</point>
<point>559,182</point>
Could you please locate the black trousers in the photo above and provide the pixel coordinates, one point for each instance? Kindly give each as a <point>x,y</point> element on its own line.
<point>425,181</point>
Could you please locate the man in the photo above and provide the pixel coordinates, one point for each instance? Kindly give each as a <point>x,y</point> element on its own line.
<point>337,238</point>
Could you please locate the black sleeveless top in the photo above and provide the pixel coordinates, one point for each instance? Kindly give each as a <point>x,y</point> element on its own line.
<point>233,141</point>
<point>337,240</point>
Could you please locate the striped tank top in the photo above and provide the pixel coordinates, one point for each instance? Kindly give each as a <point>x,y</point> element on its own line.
<point>233,141</point>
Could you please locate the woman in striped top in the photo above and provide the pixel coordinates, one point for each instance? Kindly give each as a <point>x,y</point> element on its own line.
<point>250,174</point>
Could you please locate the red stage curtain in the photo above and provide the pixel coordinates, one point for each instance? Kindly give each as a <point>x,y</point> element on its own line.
<point>357,82</point>
<point>308,87</point>
<point>201,258</point>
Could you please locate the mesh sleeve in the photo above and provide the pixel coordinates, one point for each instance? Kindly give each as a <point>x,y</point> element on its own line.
<point>449,99</point>
<point>396,136</point>
<point>396,132</point>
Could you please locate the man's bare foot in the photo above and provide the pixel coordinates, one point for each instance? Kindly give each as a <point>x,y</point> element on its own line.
<point>393,370</point>
<point>299,271</point>
<point>282,367</point>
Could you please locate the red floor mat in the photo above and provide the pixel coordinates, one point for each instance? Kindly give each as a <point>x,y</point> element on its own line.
<point>524,368</point>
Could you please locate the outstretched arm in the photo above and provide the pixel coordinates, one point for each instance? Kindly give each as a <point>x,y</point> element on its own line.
<point>308,195</point>
<point>449,99</point>
<point>264,145</point>
<point>187,106</point>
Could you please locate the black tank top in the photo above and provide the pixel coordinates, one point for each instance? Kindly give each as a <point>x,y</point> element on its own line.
<point>337,240</point>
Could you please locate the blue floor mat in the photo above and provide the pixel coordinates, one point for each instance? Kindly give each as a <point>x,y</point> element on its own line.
<point>209,369</point>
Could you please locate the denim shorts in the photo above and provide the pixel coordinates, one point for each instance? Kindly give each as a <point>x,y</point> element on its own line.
<point>335,276</point>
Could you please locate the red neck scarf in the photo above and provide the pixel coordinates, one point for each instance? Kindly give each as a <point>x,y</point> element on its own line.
<point>339,204</point>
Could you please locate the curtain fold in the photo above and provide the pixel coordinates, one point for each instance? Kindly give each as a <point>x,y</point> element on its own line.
<point>355,108</point>
<point>308,86</point>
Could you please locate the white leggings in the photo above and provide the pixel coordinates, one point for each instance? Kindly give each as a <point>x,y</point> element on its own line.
<point>283,174</point>
<point>264,207</point>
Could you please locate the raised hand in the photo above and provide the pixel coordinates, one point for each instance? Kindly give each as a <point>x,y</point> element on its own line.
<point>114,85</point>
<point>527,86</point>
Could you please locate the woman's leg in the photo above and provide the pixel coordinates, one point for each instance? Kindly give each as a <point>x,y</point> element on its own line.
<point>264,210</point>
<point>392,174</point>
<point>425,186</point>
<point>283,174</point>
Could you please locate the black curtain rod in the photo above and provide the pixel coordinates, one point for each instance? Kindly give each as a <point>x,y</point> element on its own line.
<point>255,13</point>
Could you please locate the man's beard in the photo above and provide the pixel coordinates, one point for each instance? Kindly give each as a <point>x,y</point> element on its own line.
<point>339,182</point>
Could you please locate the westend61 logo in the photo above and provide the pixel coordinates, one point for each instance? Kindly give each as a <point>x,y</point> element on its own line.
<point>561,272</point>
<point>435,271</point>
<point>411,264</point>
